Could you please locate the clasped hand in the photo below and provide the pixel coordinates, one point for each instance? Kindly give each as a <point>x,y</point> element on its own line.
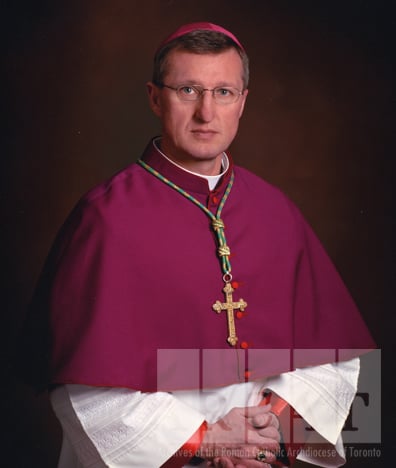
<point>235,440</point>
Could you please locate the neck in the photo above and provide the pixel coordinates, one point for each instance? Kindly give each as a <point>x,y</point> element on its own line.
<point>212,167</point>
<point>203,168</point>
<point>211,178</point>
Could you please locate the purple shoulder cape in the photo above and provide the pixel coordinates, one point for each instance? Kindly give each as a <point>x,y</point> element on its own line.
<point>126,295</point>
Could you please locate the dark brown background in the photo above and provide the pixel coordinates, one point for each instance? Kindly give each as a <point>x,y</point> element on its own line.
<point>318,123</point>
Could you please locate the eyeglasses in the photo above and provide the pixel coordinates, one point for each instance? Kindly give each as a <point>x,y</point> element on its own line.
<point>222,94</point>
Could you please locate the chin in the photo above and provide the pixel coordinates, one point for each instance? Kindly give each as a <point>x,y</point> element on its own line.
<point>205,152</point>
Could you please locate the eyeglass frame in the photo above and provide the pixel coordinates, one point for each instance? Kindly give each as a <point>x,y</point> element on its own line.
<point>200,89</point>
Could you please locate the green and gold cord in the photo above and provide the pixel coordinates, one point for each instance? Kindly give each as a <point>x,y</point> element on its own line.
<point>223,250</point>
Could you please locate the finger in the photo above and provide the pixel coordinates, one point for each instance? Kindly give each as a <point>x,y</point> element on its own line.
<point>242,463</point>
<point>270,433</point>
<point>251,464</point>
<point>251,411</point>
<point>223,462</point>
<point>265,456</point>
<point>259,453</point>
<point>263,420</point>
<point>266,438</point>
<point>262,455</point>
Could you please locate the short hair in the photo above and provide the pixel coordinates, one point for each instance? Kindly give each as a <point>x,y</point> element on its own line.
<point>198,42</point>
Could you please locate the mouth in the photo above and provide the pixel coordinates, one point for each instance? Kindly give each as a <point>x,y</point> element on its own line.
<point>202,133</point>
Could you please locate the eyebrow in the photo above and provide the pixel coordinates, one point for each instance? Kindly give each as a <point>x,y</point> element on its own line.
<point>219,85</point>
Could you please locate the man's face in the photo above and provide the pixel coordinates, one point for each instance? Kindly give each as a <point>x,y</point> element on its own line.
<point>195,133</point>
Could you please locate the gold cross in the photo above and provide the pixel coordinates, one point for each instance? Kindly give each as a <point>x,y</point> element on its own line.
<point>230,306</point>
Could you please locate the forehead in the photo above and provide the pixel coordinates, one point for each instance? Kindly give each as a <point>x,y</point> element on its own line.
<point>209,68</point>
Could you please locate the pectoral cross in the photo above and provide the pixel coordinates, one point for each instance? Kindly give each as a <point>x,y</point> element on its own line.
<point>229,305</point>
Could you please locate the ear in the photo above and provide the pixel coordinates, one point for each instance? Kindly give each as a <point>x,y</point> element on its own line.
<point>154,98</point>
<point>243,98</point>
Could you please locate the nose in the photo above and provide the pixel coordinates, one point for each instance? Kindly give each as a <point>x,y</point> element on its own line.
<point>205,107</point>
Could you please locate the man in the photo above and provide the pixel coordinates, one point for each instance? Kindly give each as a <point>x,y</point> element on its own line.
<point>152,359</point>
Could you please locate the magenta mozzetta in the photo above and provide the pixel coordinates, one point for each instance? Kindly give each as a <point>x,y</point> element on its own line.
<point>134,271</point>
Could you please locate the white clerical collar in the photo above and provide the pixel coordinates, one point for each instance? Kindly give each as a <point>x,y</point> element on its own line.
<point>212,179</point>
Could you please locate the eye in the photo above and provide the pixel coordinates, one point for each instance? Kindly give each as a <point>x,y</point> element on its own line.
<point>224,92</point>
<point>188,90</point>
